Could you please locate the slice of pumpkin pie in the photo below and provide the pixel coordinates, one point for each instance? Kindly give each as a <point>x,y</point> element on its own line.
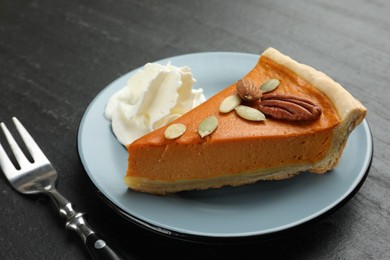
<point>281,119</point>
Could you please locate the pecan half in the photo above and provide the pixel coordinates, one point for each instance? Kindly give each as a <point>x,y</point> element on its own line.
<point>288,107</point>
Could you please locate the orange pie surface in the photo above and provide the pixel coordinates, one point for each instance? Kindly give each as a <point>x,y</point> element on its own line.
<point>241,151</point>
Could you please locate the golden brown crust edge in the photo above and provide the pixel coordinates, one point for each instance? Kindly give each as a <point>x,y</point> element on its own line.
<point>351,112</point>
<point>164,187</point>
<point>344,102</point>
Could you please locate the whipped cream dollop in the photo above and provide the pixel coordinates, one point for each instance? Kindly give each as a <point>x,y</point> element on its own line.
<point>153,97</point>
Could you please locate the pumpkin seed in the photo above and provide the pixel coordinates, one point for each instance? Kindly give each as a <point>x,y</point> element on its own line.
<point>269,85</point>
<point>174,131</point>
<point>249,113</point>
<point>229,103</point>
<point>208,125</point>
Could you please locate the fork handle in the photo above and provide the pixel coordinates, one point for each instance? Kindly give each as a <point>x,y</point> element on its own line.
<point>97,247</point>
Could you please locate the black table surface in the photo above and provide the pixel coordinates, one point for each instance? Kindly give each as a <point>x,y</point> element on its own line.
<point>56,56</point>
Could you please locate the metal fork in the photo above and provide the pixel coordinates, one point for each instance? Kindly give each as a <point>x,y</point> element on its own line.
<point>40,176</point>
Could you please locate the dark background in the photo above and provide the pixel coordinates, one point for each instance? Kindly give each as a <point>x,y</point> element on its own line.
<point>56,56</point>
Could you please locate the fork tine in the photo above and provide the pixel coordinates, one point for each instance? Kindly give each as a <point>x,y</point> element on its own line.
<point>33,148</point>
<point>19,155</point>
<point>6,164</point>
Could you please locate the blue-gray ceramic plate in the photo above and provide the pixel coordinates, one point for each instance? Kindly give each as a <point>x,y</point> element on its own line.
<point>258,210</point>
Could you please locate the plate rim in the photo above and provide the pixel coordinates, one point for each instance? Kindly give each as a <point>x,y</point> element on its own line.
<point>223,238</point>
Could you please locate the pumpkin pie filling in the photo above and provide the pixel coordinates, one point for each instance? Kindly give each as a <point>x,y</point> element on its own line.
<point>241,151</point>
